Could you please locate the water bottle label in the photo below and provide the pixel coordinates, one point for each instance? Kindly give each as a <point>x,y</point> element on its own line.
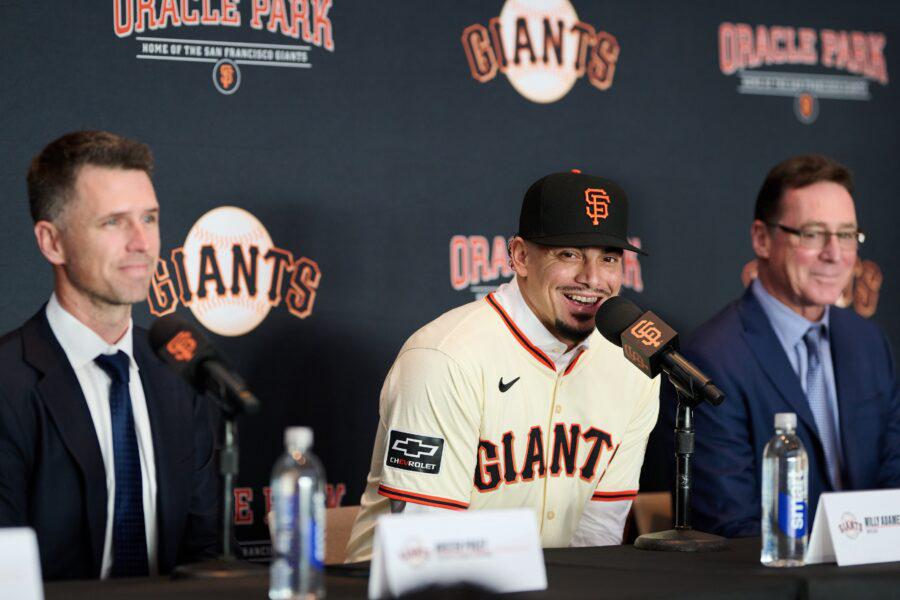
<point>285,542</point>
<point>792,513</point>
<point>318,530</point>
<point>315,553</point>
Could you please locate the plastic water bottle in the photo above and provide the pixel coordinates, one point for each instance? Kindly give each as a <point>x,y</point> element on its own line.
<point>298,507</point>
<point>785,505</point>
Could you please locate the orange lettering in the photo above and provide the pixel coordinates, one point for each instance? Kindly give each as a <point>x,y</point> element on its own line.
<point>168,12</point>
<point>162,298</point>
<point>479,53</point>
<point>259,9</point>
<point>123,27</point>
<point>144,9</point>
<point>210,15</point>
<point>478,248</point>
<point>300,22</point>
<point>189,14</point>
<point>230,14</point>
<point>728,51</point>
<point>459,262</point>
<point>322,24</point>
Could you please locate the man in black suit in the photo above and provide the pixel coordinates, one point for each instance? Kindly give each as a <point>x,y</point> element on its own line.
<point>103,450</point>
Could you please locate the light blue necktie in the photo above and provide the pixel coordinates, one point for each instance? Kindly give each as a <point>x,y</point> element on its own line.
<point>129,540</point>
<point>817,396</point>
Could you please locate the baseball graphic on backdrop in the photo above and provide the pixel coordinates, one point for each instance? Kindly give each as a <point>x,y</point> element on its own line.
<point>227,230</point>
<point>540,81</point>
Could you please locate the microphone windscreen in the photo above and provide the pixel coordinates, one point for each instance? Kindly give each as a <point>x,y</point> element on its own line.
<point>164,329</point>
<point>614,316</point>
<point>181,346</point>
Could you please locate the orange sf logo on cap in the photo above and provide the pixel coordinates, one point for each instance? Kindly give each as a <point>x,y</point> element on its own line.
<point>182,347</point>
<point>597,204</point>
<point>646,331</point>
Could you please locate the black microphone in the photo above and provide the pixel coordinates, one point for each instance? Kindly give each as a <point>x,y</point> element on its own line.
<point>192,356</point>
<point>652,346</point>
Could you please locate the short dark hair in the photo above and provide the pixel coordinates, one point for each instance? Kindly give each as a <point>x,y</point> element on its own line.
<point>52,173</point>
<point>793,173</point>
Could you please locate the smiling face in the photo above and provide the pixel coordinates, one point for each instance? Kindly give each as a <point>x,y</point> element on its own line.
<point>805,279</point>
<point>108,237</point>
<point>564,287</point>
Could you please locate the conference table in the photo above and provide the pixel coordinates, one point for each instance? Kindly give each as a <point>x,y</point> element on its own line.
<point>607,572</point>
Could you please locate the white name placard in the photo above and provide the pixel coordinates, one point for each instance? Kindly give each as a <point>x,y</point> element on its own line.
<point>855,528</point>
<point>497,549</point>
<point>20,565</point>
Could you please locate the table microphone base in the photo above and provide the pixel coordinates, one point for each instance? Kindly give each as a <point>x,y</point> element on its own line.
<point>681,540</point>
<point>217,568</point>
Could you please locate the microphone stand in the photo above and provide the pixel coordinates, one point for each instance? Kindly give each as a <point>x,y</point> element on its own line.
<point>227,565</point>
<point>682,538</point>
<point>228,468</point>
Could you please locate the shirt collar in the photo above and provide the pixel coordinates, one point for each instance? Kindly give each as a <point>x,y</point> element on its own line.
<point>789,326</point>
<point>80,343</point>
<point>510,298</point>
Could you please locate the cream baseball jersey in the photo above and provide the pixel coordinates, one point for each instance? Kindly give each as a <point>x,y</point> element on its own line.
<point>473,415</point>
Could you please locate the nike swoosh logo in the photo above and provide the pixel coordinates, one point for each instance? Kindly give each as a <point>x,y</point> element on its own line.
<point>504,387</point>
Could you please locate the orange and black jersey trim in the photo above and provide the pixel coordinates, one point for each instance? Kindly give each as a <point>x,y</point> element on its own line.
<point>614,496</point>
<point>520,337</point>
<point>395,494</point>
<point>572,364</point>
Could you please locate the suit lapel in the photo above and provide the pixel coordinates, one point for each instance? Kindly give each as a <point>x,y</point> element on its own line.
<point>844,358</point>
<point>160,412</point>
<point>770,355</point>
<point>61,394</point>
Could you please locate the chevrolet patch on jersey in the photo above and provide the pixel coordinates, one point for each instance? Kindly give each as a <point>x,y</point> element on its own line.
<point>414,452</point>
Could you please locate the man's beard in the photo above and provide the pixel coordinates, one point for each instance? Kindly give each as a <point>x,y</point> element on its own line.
<point>571,333</point>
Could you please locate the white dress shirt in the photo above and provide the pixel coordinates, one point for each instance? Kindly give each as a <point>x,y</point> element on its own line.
<point>82,345</point>
<point>510,298</point>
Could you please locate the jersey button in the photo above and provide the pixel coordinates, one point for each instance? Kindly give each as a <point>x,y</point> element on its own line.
<point>551,515</point>
<point>558,409</point>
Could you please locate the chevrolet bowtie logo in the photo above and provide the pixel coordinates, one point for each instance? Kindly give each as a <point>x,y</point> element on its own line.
<point>413,448</point>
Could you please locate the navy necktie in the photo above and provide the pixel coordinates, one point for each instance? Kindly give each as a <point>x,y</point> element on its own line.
<point>129,540</point>
<point>817,396</point>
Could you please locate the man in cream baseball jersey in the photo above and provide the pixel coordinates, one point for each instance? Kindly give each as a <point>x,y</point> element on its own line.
<point>515,400</point>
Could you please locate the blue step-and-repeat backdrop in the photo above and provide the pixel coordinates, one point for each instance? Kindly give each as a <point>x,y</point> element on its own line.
<point>334,173</point>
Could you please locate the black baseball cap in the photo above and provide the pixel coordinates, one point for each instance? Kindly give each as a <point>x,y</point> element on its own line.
<point>576,209</point>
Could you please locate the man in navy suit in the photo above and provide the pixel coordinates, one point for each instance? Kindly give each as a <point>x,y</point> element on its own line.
<point>784,347</point>
<point>104,452</point>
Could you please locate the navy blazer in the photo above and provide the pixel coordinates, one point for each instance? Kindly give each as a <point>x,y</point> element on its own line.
<point>740,352</point>
<point>51,471</point>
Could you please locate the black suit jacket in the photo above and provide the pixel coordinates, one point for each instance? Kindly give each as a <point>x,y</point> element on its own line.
<point>51,470</point>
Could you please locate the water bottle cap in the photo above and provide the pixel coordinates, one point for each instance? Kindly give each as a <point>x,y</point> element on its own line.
<point>785,421</point>
<point>298,437</point>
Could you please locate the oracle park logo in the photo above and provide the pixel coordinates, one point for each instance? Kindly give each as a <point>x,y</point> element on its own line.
<point>290,29</point>
<point>858,57</point>
<point>230,275</point>
<point>480,265</point>
<point>542,48</point>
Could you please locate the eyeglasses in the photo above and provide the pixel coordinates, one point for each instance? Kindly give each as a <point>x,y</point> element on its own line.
<point>816,238</point>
